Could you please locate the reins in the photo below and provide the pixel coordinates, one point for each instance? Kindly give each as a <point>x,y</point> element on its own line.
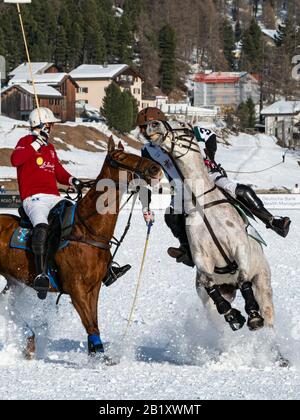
<point>104,243</point>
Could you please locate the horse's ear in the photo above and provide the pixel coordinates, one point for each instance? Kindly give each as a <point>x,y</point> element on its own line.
<point>120,146</point>
<point>111,144</point>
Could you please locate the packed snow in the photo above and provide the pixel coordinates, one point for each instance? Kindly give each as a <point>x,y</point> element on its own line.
<point>172,350</point>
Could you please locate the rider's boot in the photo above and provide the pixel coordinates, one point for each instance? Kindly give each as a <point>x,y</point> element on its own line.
<point>176,222</point>
<point>114,272</point>
<point>39,248</point>
<point>247,196</point>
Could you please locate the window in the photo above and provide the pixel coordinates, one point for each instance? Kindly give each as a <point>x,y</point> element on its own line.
<point>83,90</point>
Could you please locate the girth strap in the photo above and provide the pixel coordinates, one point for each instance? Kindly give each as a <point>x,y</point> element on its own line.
<point>215,203</point>
<point>91,242</point>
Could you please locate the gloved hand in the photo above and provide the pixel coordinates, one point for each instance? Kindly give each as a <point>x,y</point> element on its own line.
<point>77,183</point>
<point>39,142</point>
<point>148,216</point>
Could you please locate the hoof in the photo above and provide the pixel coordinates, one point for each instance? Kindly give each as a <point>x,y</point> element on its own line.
<point>255,321</point>
<point>235,319</point>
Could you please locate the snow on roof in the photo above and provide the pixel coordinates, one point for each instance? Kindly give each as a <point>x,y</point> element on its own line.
<point>95,71</point>
<point>47,78</point>
<point>271,33</point>
<point>42,90</point>
<point>282,108</point>
<point>23,68</point>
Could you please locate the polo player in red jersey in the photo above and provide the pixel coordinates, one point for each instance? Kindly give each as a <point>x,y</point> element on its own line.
<point>39,170</point>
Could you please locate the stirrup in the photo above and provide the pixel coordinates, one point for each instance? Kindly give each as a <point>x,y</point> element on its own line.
<point>115,272</point>
<point>41,285</point>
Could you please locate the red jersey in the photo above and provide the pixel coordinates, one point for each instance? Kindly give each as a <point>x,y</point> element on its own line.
<point>38,172</point>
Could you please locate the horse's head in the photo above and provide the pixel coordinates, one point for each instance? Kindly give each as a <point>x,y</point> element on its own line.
<point>177,138</point>
<point>136,167</point>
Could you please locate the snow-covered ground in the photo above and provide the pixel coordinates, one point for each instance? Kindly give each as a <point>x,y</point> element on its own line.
<point>172,351</point>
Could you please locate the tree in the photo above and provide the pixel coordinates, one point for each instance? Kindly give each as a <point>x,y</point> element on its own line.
<point>228,41</point>
<point>246,114</point>
<point>252,51</point>
<point>167,47</point>
<point>251,113</point>
<point>112,104</point>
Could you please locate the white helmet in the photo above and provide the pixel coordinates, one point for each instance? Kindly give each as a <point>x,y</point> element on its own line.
<point>41,116</point>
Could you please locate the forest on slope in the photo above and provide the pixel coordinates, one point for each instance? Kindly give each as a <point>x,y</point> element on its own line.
<point>161,38</point>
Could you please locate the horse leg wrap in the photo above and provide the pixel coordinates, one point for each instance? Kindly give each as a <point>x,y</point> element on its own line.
<point>250,302</point>
<point>223,306</point>
<point>95,344</point>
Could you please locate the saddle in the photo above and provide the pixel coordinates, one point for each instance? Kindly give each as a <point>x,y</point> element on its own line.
<point>61,220</point>
<point>245,214</point>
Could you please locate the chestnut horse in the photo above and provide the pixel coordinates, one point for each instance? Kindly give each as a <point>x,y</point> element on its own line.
<point>82,265</point>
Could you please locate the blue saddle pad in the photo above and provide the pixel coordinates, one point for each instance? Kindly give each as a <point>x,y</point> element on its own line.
<point>65,211</point>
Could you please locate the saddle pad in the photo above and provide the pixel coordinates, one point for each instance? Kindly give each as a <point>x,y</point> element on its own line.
<point>251,231</point>
<point>21,238</point>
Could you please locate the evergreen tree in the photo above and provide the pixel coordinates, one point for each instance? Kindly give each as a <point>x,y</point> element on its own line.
<point>2,43</point>
<point>61,49</point>
<point>237,31</point>
<point>228,41</point>
<point>125,41</point>
<point>126,115</point>
<point>252,48</point>
<point>288,37</point>
<point>112,106</point>
<point>243,116</point>
<point>167,48</point>
<point>251,113</point>
<point>246,114</point>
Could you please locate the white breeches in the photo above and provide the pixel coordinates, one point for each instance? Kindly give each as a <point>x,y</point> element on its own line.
<point>227,184</point>
<point>38,206</point>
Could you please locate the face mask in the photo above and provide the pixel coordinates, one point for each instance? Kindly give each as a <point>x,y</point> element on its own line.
<point>155,130</point>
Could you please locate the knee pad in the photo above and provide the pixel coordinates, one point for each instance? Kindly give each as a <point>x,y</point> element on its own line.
<point>39,239</point>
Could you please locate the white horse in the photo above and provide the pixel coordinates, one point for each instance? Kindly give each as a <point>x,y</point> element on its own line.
<point>218,239</point>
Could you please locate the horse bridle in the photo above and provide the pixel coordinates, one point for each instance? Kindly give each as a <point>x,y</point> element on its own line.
<point>106,243</point>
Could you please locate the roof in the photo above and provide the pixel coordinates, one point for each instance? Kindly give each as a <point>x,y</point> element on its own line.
<point>96,71</point>
<point>42,90</point>
<point>271,33</point>
<point>219,77</point>
<point>282,108</point>
<point>23,68</point>
<point>47,78</point>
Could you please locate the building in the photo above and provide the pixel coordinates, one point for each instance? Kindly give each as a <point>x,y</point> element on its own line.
<point>189,113</point>
<point>18,100</point>
<point>93,79</point>
<point>61,97</point>
<point>37,68</point>
<point>282,120</point>
<point>218,89</point>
